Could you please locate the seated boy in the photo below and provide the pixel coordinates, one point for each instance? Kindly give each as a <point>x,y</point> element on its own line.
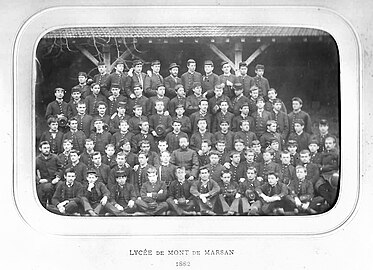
<point>268,165</point>
<point>215,168</point>
<point>79,167</point>
<point>180,199</point>
<point>93,99</point>
<point>109,157</point>
<point>313,146</point>
<point>153,195</point>
<point>65,155</point>
<point>300,136</point>
<point>58,107</point>
<point>134,121</point>
<point>236,168</point>
<point>225,134</point>
<point>227,194</point>
<point>122,134</point>
<point>159,122</point>
<point>166,170</point>
<point>222,115</point>
<point>77,137</point>
<point>100,136</point>
<point>287,171</point>
<point>245,134</point>
<point>173,137</point>
<point>53,136</point>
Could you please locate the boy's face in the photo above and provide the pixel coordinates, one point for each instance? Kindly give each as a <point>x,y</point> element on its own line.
<point>98,125</point>
<point>138,111</point>
<point>159,106</point>
<point>204,175</point>
<point>238,91</point>
<point>249,156</point>
<point>152,176</point>
<point>45,149</point>
<point>277,106</point>
<point>101,68</point>
<point>119,67</point>
<point>142,159</point>
<point>245,126</point>
<point>145,126</point>
<point>251,174</point>
<point>285,159</point>
<point>245,110</point>
<point>243,70</point>
<point>272,127</point>
<point>226,68</point>
<point>296,105</point>
<point>204,106</point>
<point>96,159</point>
<point>70,177</point>
<point>292,149</point>
<point>89,145</point>
<point>123,126</point>
<point>226,178</point>
<point>156,68</point>
<point>76,95</point>
<point>305,158</point>
<point>205,147</point>
<point>218,92</point>
<point>121,160</point>
<point>91,178</point>
<point>301,173</point>
<point>74,157</point>
<point>180,111</point>
<point>257,148</point>
<point>81,108</point>
<point>202,125</point>
<point>267,156</point>
<point>272,180</point>
<point>96,89</point>
<point>115,91</point>
<point>101,109</point>
<point>67,146</point>
<point>239,146</point>
<point>110,151</point>
<point>259,72</point>
<point>162,146</point>
<point>137,68</point>
<point>165,157</point>
<point>121,180</point>
<point>272,94</point>
<point>197,90</point>
<point>180,174</point>
<point>214,159</point>
<point>313,147</point>
<point>298,127</point>
<point>323,129</point>
<point>329,144</point>
<point>275,146</point>
<point>208,69</point>
<point>192,67</point>
<point>82,79</point>
<point>224,127</point>
<point>174,71</point>
<point>137,91</point>
<point>254,93</point>
<point>53,126</point>
<point>59,94</point>
<point>161,91</point>
<point>176,126</point>
<point>181,92</point>
<point>260,104</point>
<point>145,147</point>
<point>236,158</point>
<point>220,147</point>
<point>126,147</point>
<point>224,106</point>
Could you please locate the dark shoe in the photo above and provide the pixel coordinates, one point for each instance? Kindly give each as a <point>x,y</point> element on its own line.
<point>279,211</point>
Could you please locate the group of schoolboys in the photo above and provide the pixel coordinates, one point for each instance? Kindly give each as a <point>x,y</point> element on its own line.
<point>135,143</point>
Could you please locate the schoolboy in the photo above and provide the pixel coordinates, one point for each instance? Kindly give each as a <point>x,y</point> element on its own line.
<point>101,77</point>
<point>123,195</point>
<point>172,138</point>
<point>136,74</point>
<point>95,196</point>
<point>65,155</point>
<point>249,160</point>
<point>186,157</point>
<point>119,78</point>
<point>246,80</point>
<point>79,167</point>
<point>159,97</point>
<point>160,122</point>
<point>77,137</point>
<point>58,107</point>
<point>186,125</point>
<point>190,77</point>
<point>223,154</point>
<point>120,165</point>
<point>100,136</point>
<point>109,158</point>
<point>244,115</point>
<point>214,167</point>
<point>114,99</point>
<point>84,120</point>
<point>86,156</point>
<point>287,170</point>
<point>180,200</point>
<point>140,173</point>
<point>138,100</point>
<point>222,115</point>
<point>117,117</point>
<point>271,134</point>
<point>227,194</point>
<point>204,152</point>
<point>300,136</point>
<point>225,134</point>
<point>261,117</point>
<point>313,171</point>
<point>66,199</point>
<point>179,99</point>
<point>247,196</point>
<point>236,168</point>
<point>122,134</point>
<point>201,134</point>
<point>268,165</point>
<point>171,81</point>
<point>209,79</point>
<point>298,113</point>
<point>73,103</point>
<point>205,190</point>
<point>201,113</point>
<point>274,145</point>
<point>292,147</point>
<point>260,81</point>
<point>153,157</point>
<point>83,86</point>
<point>166,170</point>
<point>93,99</point>
<point>143,135</point>
<point>48,173</point>
<point>193,100</point>
<point>254,94</point>
<point>280,118</point>
<point>257,148</point>
<point>272,193</point>
<point>102,170</point>
<point>228,79</point>
<point>322,134</point>
<point>101,110</point>
<point>272,97</point>
<point>238,98</point>
<point>152,81</point>
<point>239,146</point>
<point>53,136</point>
<point>125,148</point>
<point>134,121</point>
<point>313,147</point>
<point>214,102</point>
<point>153,195</point>
<point>162,146</point>
<point>245,134</point>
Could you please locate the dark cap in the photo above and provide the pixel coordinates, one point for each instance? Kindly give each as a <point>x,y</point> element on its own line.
<point>114,85</point>
<point>97,119</point>
<point>223,63</point>
<point>137,85</point>
<point>119,61</point>
<point>299,121</point>
<point>82,74</point>
<point>178,86</point>
<point>160,85</point>
<point>179,106</point>
<point>324,122</point>
<point>297,99</point>
<point>137,62</point>
<point>120,174</point>
<point>173,65</point>
<point>292,143</point>
<point>209,63</point>
<point>259,66</point>
<point>155,62</point>
<point>244,104</point>
<point>76,89</point>
<point>137,106</point>
<point>101,63</point>
<point>242,64</point>
<point>313,141</point>
<point>196,84</point>
<point>122,104</point>
<point>190,61</point>
<point>91,171</point>
<point>238,86</point>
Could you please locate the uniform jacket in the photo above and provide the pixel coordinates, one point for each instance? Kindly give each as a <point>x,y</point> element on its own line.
<point>187,158</point>
<point>113,104</point>
<point>179,190</point>
<point>101,140</point>
<point>55,143</point>
<point>228,91</point>
<point>121,79</point>
<point>172,140</point>
<point>48,167</point>
<point>134,122</point>
<point>118,137</point>
<point>236,122</point>
<point>197,188</point>
<point>209,82</point>
<point>279,189</point>
<point>103,172</point>
<point>197,138</point>
<point>227,137</point>
<point>151,83</point>
<point>196,116</point>
<point>247,82</point>
<point>301,188</point>
<point>122,195</point>
<point>154,188</point>
<point>115,121</point>
<point>220,117</point>
<point>302,139</point>
<point>142,101</point>
<point>63,193</point>
<point>186,125</point>
<point>84,124</point>
<point>55,108</point>
<point>150,105</point>
<point>192,104</point>
<point>174,102</point>
<point>263,85</point>
<point>248,137</point>
<point>261,122</point>
<point>101,79</point>
<point>282,121</point>
<point>237,102</point>
<point>77,138</point>
<point>91,103</point>
<point>80,171</point>
<point>170,82</point>
<point>187,80</point>
<point>101,190</point>
<point>300,115</point>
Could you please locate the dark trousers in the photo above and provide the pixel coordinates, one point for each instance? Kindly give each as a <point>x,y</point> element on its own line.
<point>248,207</point>
<point>180,208</point>
<point>45,192</point>
<point>70,208</point>
<point>144,207</point>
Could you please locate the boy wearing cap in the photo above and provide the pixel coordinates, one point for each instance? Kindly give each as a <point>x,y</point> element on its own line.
<point>118,78</point>
<point>114,99</point>
<point>292,147</point>
<point>53,136</point>
<point>245,134</point>
<point>139,100</point>
<point>298,113</point>
<point>227,79</point>
<point>83,86</point>
<point>280,118</point>
<point>246,80</point>
<point>315,155</point>
<point>79,167</point>
<point>214,102</point>
<point>180,200</point>
<point>190,77</point>
<point>73,103</point>
<point>122,134</point>
<point>136,75</point>
<point>225,134</point>
<point>172,138</point>
<point>186,125</point>
<point>239,98</point>
<point>179,99</point>
<point>118,116</point>
<point>66,199</point>
<point>244,115</point>
<point>101,77</point>
<point>171,81</point>
<point>100,136</point>
<point>209,80</point>
<point>201,113</point>
<point>151,82</point>
<point>153,195</point>
<point>192,101</point>
<point>300,136</point>
<point>261,82</point>
<point>84,120</point>
<point>236,167</point>
<point>58,107</point>
<point>272,97</point>
<point>261,117</point>
<point>122,195</point>
<point>134,121</point>
<point>160,122</point>
<point>227,194</point>
<point>200,135</point>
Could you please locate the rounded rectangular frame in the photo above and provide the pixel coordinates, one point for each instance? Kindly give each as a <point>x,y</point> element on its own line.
<point>24,120</point>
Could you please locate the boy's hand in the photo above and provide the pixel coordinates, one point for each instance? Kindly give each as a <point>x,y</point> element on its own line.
<point>103,200</point>
<point>135,167</point>
<point>203,198</point>
<point>297,202</point>
<point>90,186</point>
<point>55,180</point>
<point>149,72</point>
<point>154,133</point>
<point>42,181</point>
<point>191,178</point>
<point>229,83</point>
<point>131,204</point>
<point>132,96</point>
<point>111,98</point>
<point>130,72</point>
<point>259,178</point>
<point>176,201</point>
<point>227,165</point>
<point>119,207</point>
<point>166,113</point>
<point>242,180</point>
<point>160,192</point>
<point>149,194</point>
<point>238,195</point>
<point>200,152</point>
